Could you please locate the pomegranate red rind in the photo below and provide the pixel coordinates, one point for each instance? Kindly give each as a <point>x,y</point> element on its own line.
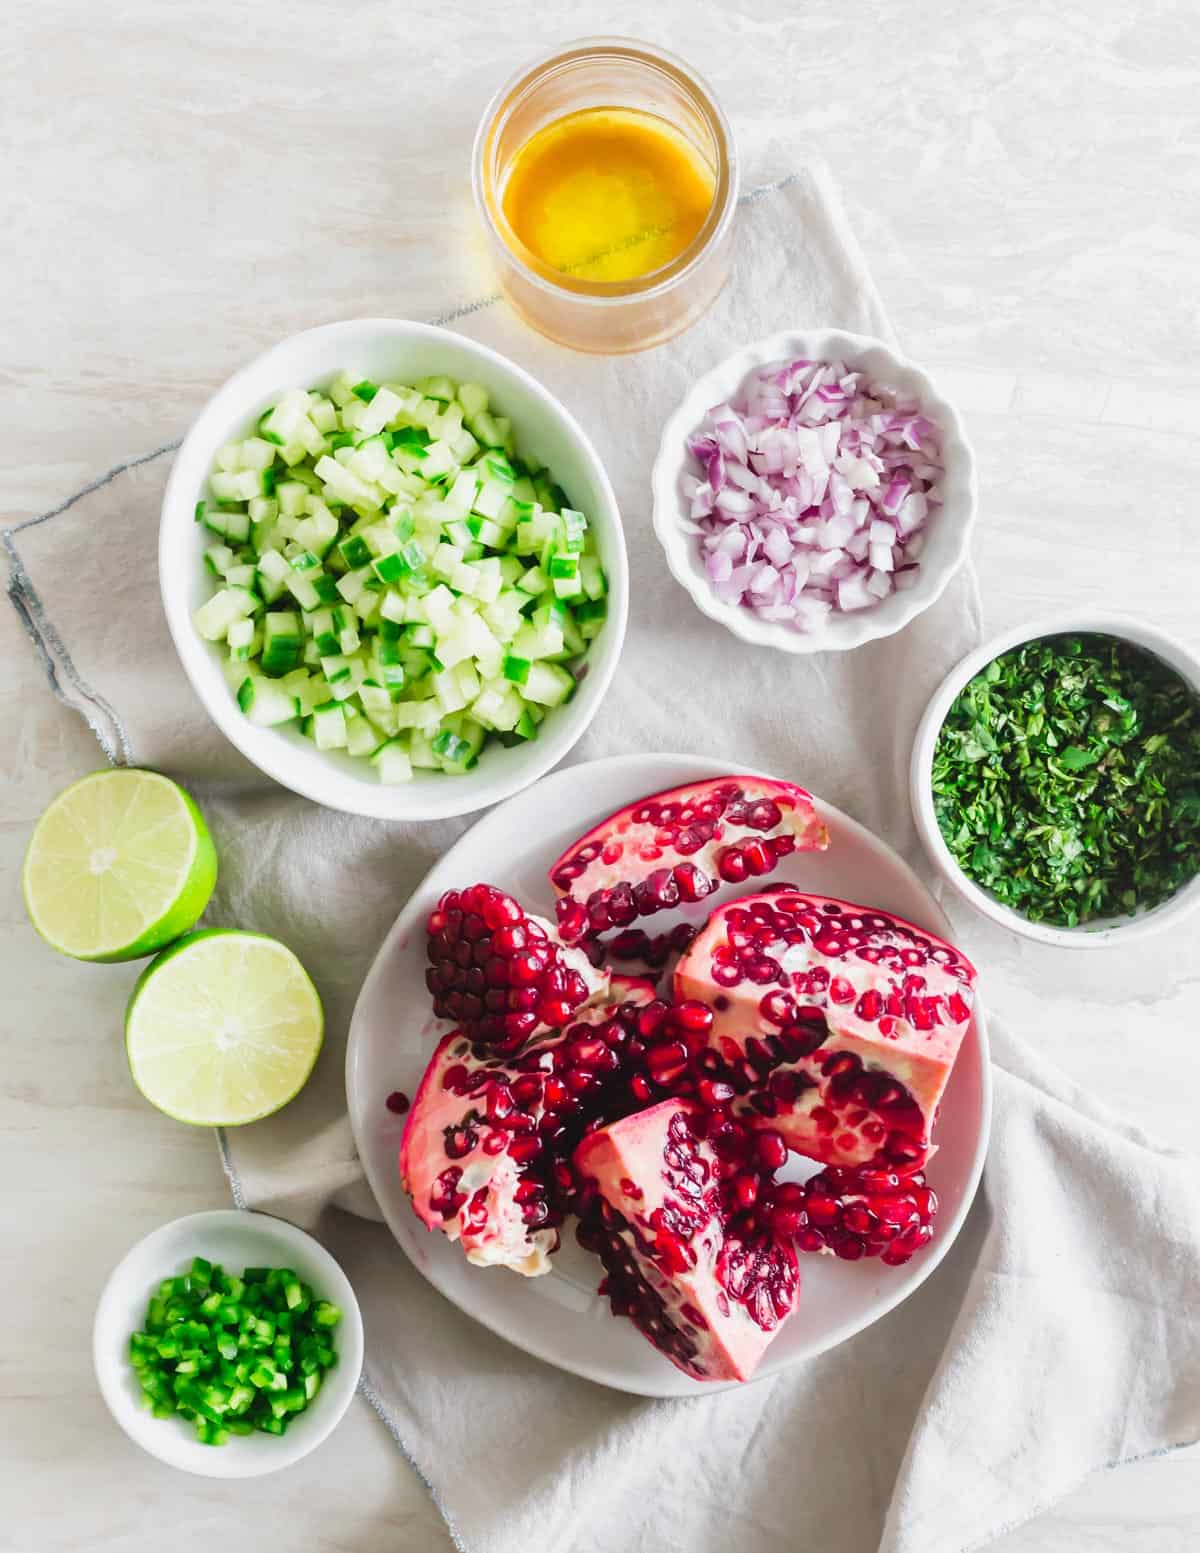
<point>677,847</point>
<point>502,973</point>
<point>666,1224</point>
<point>836,1025</point>
<point>485,1149</point>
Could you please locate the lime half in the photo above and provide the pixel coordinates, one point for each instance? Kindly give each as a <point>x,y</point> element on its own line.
<point>120,864</point>
<point>223,1028</point>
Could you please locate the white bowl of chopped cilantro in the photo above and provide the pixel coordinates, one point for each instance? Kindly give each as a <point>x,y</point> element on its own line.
<point>393,568</point>
<point>228,1344</point>
<point>1055,779</point>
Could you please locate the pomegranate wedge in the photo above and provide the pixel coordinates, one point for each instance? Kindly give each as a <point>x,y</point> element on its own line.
<point>834,1024</point>
<point>501,972</point>
<point>666,1224</point>
<point>679,846</point>
<point>485,1149</point>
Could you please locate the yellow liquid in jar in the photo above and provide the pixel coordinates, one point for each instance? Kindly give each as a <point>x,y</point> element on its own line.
<point>608,194</point>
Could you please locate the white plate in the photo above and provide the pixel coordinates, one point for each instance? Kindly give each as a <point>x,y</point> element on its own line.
<point>560,1317</point>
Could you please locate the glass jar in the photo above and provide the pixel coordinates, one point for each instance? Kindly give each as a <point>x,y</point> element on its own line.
<point>607,317</point>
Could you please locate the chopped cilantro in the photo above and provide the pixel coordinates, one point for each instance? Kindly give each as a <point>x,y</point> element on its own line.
<point>1066,779</point>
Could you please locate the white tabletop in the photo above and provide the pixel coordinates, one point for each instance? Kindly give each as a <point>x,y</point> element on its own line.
<point>182,185</point>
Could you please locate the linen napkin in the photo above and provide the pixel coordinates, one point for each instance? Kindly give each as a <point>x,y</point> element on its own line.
<point>1038,1351</point>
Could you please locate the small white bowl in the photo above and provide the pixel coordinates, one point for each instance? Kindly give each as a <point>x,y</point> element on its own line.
<point>235,1239</point>
<point>381,348</point>
<point>1093,935</point>
<point>947,536</point>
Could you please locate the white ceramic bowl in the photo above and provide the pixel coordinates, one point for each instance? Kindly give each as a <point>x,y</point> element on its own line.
<point>947,536</point>
<point>236,1240</point>
<point>386,348</point>
<point>1093,935</point>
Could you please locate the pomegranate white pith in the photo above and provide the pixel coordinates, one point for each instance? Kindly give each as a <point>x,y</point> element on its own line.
<point>665,1223</point>
<point>677,847</point>
<point>834,1024</point>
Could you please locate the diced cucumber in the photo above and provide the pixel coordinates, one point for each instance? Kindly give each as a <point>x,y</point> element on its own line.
<point>591,574</point>
<point>589,617</point>
<point>362,737</point>
<point>391,762</point>
<point>283,642</point>
<point>422,715</point>
<point>214,618</point>
<point>219,558</point>
<point>472,397</point>
<point>537,641</point>
<point>548,684</point>
<point>244,640</point>
<point>265,703</point>
<point>329,727</point>
<point>435,388</point>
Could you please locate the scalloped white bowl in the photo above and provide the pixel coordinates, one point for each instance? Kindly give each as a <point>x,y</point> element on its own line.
<point>947,536</point>
<point>1091,935</point>
<point>545,430</point>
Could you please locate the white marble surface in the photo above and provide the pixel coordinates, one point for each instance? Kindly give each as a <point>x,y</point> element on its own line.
<point>184,184</point>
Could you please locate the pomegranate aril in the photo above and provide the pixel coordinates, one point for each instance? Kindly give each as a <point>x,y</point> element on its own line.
<point>731,865</point>
<point>527,1090</point>
<point>667,1061</point>
<point>506,940</point>
<point>500,1102</point>
<point>519,1026</point>
<point>770,1150</point>
<point>572,920</point>
<point>460,1141</point>
<point>693,885</point>
<point>745,1189</point>
<point>822,1210</point>
<point>757,857</point>
<point>691,1014</point>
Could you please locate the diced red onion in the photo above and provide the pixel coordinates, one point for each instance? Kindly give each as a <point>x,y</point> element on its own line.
<point>881,559</point>
<point>812,493</point>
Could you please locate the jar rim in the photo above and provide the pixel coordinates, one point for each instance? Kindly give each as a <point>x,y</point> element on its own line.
<point>655,282</point>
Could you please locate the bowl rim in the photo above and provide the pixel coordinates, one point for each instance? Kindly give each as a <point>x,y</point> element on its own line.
<point>336,790</point>
<point>862,626</point>
<point>182,1452</point>
<point>1100,622</point>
